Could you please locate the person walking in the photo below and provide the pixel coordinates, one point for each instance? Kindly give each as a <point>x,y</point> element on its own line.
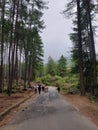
<point>39,88</point>
<point>43,88</point>
<point>58,88</point>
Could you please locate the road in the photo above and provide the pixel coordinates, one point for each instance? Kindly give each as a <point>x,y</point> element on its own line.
<point>49,111</point>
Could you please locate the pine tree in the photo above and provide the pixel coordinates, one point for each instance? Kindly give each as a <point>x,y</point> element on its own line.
<point>84,32</point>
<point>51,67</point>
<point>20,24</point>
<point>61,66</point>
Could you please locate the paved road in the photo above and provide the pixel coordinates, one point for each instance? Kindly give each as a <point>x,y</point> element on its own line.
<point>49,111</point>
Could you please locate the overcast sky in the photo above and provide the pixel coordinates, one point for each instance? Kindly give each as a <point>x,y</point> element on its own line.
<point>55,36</point>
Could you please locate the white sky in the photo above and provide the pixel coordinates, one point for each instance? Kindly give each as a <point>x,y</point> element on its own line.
<point>55,36</point>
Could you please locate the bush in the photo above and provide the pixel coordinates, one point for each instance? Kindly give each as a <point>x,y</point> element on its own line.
<point>67,83</point>
<point>45,80</point>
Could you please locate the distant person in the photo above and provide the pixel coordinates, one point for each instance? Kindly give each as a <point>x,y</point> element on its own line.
<point>39,88</point>
<point>43,88</point>
<point>58,89</point>
<point>35,89</point>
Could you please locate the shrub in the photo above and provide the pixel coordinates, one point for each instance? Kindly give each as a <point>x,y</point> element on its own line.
<point>67,83</point>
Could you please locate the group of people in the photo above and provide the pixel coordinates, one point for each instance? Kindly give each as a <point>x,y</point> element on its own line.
<point>38,88</point>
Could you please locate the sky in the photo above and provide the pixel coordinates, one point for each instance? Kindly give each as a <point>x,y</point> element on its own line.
<point>56,34</point>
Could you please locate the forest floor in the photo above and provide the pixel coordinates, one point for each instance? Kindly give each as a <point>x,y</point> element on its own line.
<point>88,107</point>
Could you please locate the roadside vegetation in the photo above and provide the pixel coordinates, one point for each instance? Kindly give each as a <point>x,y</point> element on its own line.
<point>67,79</point>
<point>59,74</point>
<point>68,83</point>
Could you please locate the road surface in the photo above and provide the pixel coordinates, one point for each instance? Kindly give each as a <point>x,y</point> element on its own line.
<point>49,111</point>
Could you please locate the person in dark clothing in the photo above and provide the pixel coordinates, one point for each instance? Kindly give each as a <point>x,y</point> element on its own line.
<point>43,88</point>
<point>58,88</point>
<point>39,88</point>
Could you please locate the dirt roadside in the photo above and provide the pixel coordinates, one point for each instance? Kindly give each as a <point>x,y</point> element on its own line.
<point>6,102</point>
<point>85,106</point>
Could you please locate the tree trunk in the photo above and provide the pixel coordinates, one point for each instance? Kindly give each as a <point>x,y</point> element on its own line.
<point>2,47</point>
<point>19,66</point>
<point>26,61</point>
<point>15,42</point>
<point>29,71</point>
<point>82,87</point>
<point>10,49</point>
<point>16,64</point>
<point>93,55</point>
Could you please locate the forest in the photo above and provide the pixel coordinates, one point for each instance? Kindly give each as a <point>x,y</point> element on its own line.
<point>21,47</point>
<point>22,50</point>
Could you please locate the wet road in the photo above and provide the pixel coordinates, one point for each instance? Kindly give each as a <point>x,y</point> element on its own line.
<point>49,111</point>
